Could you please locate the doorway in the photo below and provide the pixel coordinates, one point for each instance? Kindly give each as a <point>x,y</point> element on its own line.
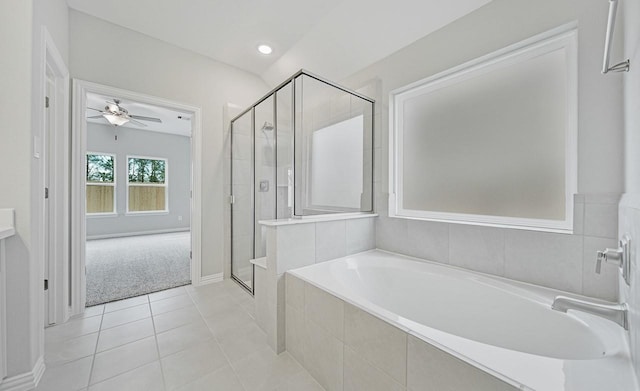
<point>136,165</point>
<point>138,204</point>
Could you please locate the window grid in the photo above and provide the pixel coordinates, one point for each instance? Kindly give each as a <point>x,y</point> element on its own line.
<point>90,200</point>
<point>137,205</point>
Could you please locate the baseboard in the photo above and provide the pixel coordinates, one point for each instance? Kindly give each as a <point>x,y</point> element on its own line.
<point>25,381</point>
<point>126,234</point>
<point>209,280</point>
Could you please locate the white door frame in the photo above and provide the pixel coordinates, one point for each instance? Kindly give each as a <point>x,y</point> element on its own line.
<point>51,147</point>
<point>79,150</point>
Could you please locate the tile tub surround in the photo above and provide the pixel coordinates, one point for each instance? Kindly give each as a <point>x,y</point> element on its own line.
<point>558,261</point>
<point>293,243</point>
<point>187,338</point>
<point>346,348</point>
<point>347,342</point>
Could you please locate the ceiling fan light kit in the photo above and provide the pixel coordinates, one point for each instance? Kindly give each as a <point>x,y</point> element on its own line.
<point>115,120</point>
<point>118,115</point>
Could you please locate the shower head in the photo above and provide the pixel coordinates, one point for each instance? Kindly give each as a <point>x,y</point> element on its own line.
<point>268,126</point>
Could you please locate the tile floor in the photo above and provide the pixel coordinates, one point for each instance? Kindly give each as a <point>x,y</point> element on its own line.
<point>185,338</point>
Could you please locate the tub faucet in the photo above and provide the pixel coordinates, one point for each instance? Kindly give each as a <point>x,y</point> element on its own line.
<point>620,257</point>
<point>615,312</point>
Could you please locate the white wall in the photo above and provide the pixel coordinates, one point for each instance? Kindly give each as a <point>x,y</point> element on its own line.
<point>134,142</point>
<point>629,211</point>
<point>561,261</point>
<point>108,54</point>
<point>21,24</point>
<point>15,163</point>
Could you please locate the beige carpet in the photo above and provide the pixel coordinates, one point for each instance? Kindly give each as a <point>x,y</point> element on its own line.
<point>119,268</point>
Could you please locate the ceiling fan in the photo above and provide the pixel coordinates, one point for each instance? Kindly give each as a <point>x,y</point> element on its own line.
<point>118,115</point>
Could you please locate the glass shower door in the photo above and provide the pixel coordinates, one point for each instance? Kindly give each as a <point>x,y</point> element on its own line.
<point>265,172</point>
<point>304,149</point>
<point>242,216</point>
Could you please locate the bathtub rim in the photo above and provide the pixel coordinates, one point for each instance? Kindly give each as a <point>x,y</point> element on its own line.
<point>610,330</point>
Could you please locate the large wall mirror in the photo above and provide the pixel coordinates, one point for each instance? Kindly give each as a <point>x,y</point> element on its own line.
<point>492,141</point>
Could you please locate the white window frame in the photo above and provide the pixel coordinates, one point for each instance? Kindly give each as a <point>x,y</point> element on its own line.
<point>564,37</point>
<point>165,185</point>
<point>114,184</point>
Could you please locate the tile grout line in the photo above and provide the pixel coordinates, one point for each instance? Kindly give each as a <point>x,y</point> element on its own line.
<point>122,373</point>
<point>123,308</point>
<point>148,301</point>
<point>126,323</point>
<point>120,346</point>
<point>406,365</point>
<point>146,317</point>
<point>219,347</point>
<point>63,339</point>
<point>95,350</point>
<point>213,338</point>
<point>99,332</point>
<point>155,338</point>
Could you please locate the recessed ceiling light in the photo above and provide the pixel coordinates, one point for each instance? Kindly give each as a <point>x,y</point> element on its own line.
<point>265,49</point>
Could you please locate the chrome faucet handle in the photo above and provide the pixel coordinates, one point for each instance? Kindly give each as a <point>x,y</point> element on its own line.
<point>610,255</point>
<point>599,261</point>
<point>620,257</point>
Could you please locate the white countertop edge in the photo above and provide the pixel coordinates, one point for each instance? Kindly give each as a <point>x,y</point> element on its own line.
<point>260,262</point>
<point>317,219</point>
<point>7,223</point>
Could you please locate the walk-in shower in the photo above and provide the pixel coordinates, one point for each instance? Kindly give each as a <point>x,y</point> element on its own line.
<point>306,148</point>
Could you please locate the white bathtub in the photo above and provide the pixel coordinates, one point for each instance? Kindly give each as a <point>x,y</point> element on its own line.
<point>504,327</point>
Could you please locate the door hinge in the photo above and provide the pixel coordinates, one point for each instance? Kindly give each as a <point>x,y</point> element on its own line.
<point>46,193</point>
<point>46,285</point>
<point>232,199</point>
<point>46,102</point>
<point>190,254</point>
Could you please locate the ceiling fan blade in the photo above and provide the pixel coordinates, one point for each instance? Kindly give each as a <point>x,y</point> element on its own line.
<point>141,117</point>
<point>95,116</point>
<point>91,108</point>
<point>133,121</point>
<point>112,102</point>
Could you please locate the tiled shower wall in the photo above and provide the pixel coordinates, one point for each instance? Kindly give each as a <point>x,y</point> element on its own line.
<point>291,246</point>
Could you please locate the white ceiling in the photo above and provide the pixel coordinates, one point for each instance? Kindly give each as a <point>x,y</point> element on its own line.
<point>333,38</point>
<point>170,121</point>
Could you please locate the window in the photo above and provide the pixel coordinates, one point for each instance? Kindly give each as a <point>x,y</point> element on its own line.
<point>337,160</point>
<point>146,185</point>
<point>100,183</point>
<point>491,142</point>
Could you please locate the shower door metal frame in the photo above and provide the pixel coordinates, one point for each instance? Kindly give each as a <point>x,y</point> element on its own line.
<point>251,109</point>
<point>292,80</point>
<point>295,75</point>
<point>250,289</point>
